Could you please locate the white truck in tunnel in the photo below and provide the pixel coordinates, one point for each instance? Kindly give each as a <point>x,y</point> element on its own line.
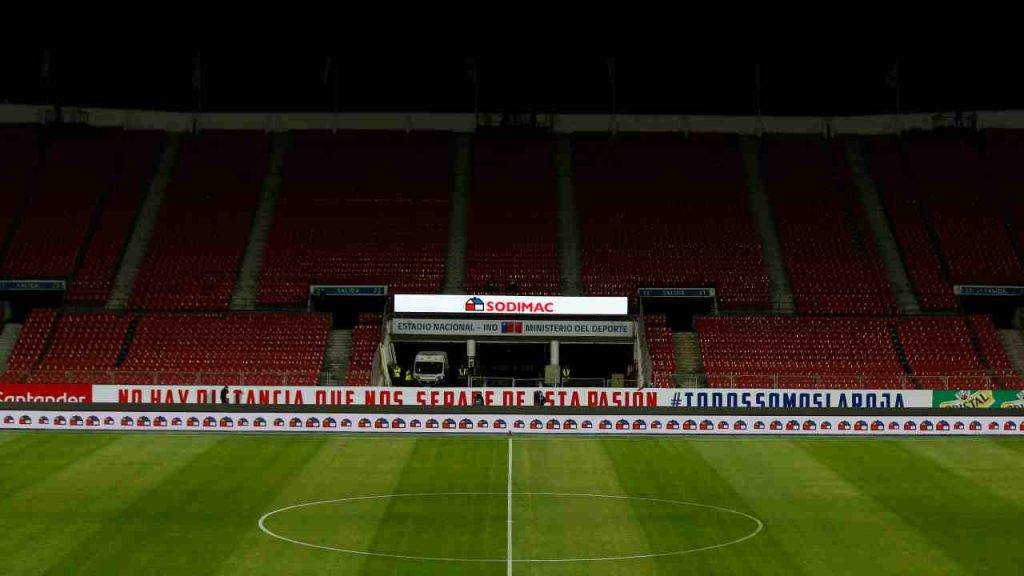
<point>430,368</point>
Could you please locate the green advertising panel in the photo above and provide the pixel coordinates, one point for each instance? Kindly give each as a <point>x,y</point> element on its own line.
<point>978,399</point>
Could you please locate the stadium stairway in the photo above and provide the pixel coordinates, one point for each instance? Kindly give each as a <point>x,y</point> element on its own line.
<point>687,351</point>
<point>336,357</point>
<point>568,220</point>
<point>244,296</point>
<point>902,289</point>
<point>455,261</point>
<point>8,338</point>
<point>1012,339</point>
<point>778,280</point>
<point>135,251</point>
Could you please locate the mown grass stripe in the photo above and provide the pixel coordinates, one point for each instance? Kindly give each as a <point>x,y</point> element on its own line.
<point>411,526</point>
<point>28,458</point>
<point>673,468</point>
<point>824,522</point>
<point>51,518</point>
<point>343,467</point>
<point>194,517</point>
<point>981,461</point>
<point>970,524</point>
<point>555,527</point>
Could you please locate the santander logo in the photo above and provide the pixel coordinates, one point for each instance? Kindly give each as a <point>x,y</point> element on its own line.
<point>477,304</point>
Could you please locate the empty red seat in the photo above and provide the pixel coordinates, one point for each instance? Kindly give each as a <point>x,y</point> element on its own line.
<point>666,212</point>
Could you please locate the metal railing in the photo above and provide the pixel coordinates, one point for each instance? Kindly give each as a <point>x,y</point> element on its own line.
<point>967,380</point>
<point>989,379</point>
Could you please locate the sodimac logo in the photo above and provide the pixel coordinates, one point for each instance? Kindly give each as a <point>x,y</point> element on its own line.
<point>478,304</point>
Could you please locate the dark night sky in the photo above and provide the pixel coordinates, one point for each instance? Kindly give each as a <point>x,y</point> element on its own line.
<point>272,81</point>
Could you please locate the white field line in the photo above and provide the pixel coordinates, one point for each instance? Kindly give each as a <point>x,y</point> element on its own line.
<point>759,527</point>
<point>508,554</point>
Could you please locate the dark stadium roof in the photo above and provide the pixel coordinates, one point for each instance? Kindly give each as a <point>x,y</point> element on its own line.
<point>274,81</point>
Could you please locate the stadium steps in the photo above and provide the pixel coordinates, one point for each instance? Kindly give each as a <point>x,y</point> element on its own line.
<point>129,337</point>
<point>247,286</point>
<point>135,250</point>
<point>687,350</point>
<point>336,357</point>
<point>8,338</point>
<point>884,239</point>
<point>901,353</point>
<point>760,206</point>
<point>458,218</point>
<point>1013,342</point>
<point>570,255</point>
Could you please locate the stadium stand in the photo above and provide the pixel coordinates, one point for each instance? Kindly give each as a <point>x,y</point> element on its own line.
<point>924,183</point>
<point>512,222</point>
<point>79,210</point>
<point>806,352</point>
<point>260,348</point>
<point>688,223</point>
<point>853,352</point>
<point>1003,151</point>
<point>200,237</point>
<point>833,266</point>
<point>35,335</point>
<point>659,346</point>
<point>909,226</point>
<point>372,208</point>
<point>359,209</point>
<point>170,348</point>
<point>138,152</point>
<point>365,339</point>
<point>84,342</point>
<point>19,156</point>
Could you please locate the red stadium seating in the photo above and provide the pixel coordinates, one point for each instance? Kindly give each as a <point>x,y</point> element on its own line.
<point>56,220</point>
<point>87,341</point>
<point>359,209</point>
<point>137,163</point>
<point>845,352</point>
<point>19,155</point>
<point>236,348</point>
<point>953,224</point>
<point>1003,152</point>
<point>35,334</point>
<point>365,339</point>
<point>171,348</point>
<point>911,229</point>
<point>659,346</point>
<point>201,233</point>
<point>688,222</point>
<point>512,222</point>
<point>826,243</point>
<point>853,352</point>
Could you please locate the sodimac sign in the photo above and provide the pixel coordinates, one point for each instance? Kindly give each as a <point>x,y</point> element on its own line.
<point>511,305</point>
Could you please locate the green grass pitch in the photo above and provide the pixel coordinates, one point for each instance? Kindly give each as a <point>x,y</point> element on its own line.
<point>164,503</point>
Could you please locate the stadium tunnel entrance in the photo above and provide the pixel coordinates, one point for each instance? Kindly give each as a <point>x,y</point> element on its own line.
<point>347,303</point>
<point>17,297</point>
<point>1005,304</point>
<point>679,306</point>
<point>522,363</point>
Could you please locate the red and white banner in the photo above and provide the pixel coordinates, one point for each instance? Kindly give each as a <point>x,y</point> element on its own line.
<point>682,398</point>
<point>28,393</point>
<point>378,396</point>
<point>380,422</point>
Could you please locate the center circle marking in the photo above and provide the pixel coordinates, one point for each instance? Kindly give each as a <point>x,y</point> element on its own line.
<point>759,526</point>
